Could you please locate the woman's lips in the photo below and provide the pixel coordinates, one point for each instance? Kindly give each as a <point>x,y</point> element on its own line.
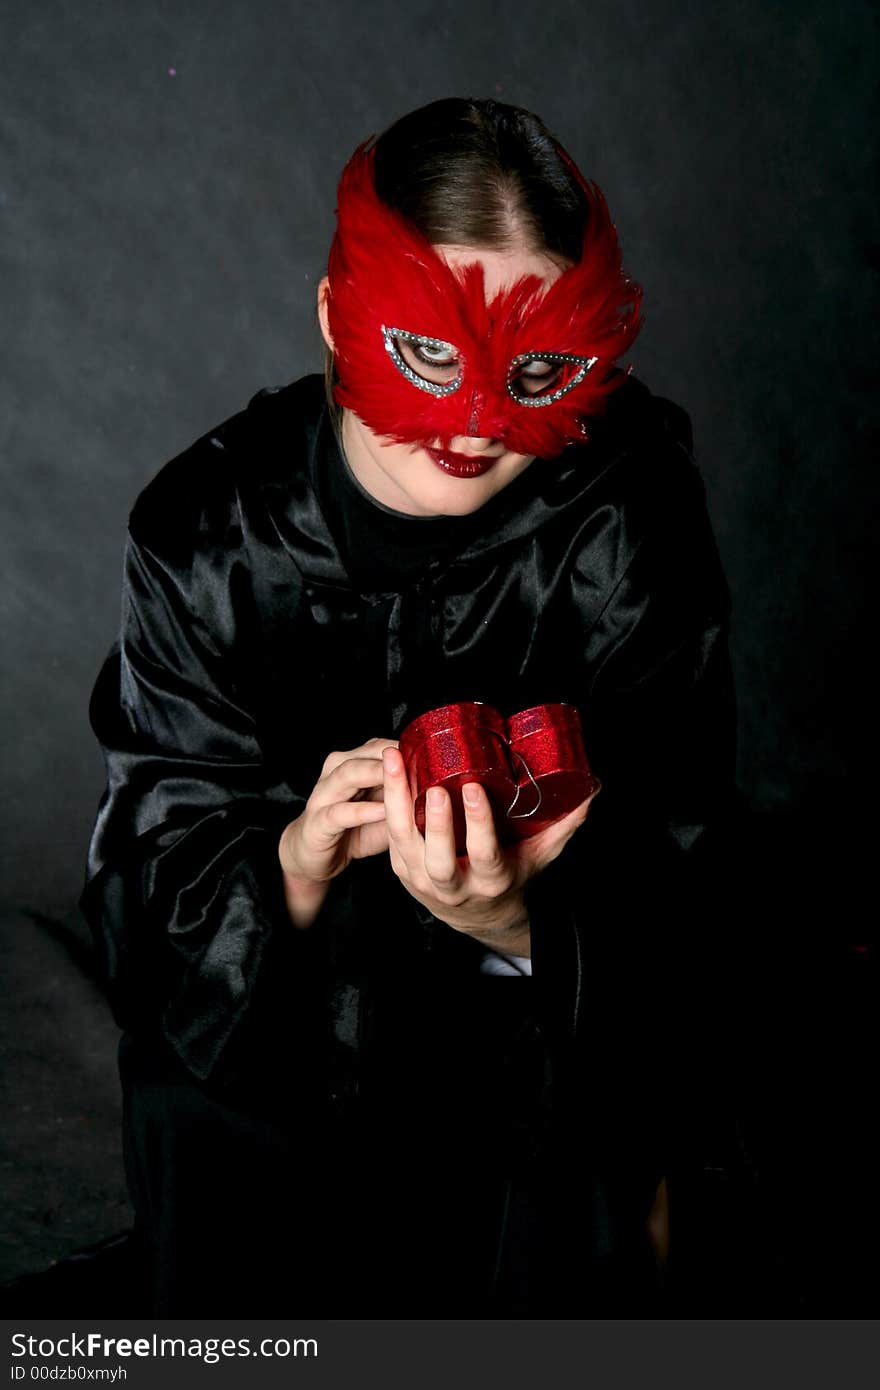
<point>462,465</point>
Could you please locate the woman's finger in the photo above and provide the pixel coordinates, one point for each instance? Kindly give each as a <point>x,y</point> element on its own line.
<point>328,823</point>
<point>485,856</point>
<point>345,815</point>
<point>371,749</point>
<point>349,777</point>
<point>402,831</point>
<point>441,864</point>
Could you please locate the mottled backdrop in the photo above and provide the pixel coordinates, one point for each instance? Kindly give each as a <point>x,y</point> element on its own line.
<point>167,192</point>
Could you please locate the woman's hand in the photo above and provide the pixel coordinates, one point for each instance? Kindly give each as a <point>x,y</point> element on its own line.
<point>479,893</point>
<point>343,819</point>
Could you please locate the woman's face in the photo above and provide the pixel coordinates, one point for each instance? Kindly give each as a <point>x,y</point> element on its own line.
<point>410,477</point>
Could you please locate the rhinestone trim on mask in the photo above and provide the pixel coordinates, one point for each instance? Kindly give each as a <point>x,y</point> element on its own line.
<point>435,389</point>
<point>585,364</point>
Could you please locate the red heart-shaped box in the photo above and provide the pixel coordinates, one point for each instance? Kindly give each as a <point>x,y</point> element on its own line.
<point>533,765</point>
<point>454,744</point>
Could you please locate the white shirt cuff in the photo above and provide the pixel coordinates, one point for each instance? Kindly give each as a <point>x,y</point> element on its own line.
<point>499,963</point>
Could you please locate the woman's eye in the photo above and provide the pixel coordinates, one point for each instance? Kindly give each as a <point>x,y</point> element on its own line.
<point>436,361</point>
<point>435,356</point>
<point>536,376</point>
<point>539,370</point>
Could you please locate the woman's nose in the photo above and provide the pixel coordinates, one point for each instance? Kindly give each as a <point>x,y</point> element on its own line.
<point>471,444</point>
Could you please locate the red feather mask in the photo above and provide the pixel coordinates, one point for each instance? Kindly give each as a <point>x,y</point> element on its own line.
<point>422,356</point>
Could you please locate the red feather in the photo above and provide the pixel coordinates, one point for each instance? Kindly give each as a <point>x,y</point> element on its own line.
<point>382,271</point>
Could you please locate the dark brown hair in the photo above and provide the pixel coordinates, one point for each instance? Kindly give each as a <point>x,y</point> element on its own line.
<point>472,172</point>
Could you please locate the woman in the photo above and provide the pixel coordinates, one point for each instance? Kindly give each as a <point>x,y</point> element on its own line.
<point>364,1076</point>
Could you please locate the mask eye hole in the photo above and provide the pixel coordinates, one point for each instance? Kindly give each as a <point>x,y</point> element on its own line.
<point>432,364</point>
<point>539,378</point>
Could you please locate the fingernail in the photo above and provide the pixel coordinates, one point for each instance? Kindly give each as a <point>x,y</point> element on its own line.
<point>434,799</point>
<point>471,794</point>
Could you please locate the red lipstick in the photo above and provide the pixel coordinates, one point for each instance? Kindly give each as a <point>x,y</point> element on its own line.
<point>462,465</point>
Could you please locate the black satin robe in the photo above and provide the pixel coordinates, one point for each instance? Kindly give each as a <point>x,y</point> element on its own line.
<point>430,1141</point>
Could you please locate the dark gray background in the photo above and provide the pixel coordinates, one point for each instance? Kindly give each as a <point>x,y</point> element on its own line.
<point>167,201</point>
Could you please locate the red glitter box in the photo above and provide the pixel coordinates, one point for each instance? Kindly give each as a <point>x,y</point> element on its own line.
<point>532,765</point>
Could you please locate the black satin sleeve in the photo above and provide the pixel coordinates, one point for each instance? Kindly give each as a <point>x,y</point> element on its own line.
<point>643,892</point>
<point>659,708</point>
<point>183,891</point>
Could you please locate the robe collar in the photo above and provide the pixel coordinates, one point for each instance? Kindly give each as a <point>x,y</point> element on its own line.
<point>296,440</point>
